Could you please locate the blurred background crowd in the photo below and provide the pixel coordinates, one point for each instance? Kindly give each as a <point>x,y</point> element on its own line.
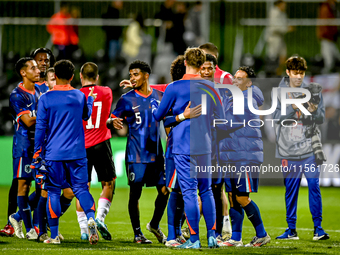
<point>261,34</point>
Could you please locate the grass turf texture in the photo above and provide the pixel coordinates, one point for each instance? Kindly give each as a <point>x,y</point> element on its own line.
<point>269,199</point>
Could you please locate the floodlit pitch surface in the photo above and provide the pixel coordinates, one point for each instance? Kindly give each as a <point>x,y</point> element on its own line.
<point>269,199</point>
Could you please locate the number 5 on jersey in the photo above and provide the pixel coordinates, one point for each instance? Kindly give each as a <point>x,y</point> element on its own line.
<point>138,118</point>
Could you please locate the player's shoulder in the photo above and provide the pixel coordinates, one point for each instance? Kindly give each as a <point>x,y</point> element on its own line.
<point>128,94</point>
<point>16,92</point>
<point>157,92</point>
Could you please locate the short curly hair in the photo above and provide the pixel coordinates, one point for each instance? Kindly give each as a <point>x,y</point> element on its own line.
<point>143,66</point>
<point>249,71</point>
<point>296,62</point>
<point>194,57</point>
<point>177,68</point>
<point>211,58</point>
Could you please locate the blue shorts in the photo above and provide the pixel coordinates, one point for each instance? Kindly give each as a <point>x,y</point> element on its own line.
<point>171,174</point>
<point>150,174</point>
<point>21,168</point>
<point>64,174</point>
<point>242,177</point>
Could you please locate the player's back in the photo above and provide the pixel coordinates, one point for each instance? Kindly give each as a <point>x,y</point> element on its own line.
<point>95,127</point>
<point>193,136</point>
<point>63,109</point>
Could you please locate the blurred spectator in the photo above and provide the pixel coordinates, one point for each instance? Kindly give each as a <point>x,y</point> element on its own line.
<point>330,129</point>
<point>178,29</point>
<point>137,44</point>
<point>75,14</point>
<point>328,36</point>
<point>167,15</point>
<point>113,33</point>
<point>64,37</point>
<point>193,33</point>
<point>278,27</point>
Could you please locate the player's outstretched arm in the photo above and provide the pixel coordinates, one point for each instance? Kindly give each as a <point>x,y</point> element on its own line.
<point>126,84</point>
<point>88,104</point>
<point>166,103</point>
<point>91,94</point>
<point>28,119</point>
<point>114,122</point>
<point>190,113</point>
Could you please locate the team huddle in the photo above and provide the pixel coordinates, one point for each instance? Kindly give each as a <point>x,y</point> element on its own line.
<point>62,133</point>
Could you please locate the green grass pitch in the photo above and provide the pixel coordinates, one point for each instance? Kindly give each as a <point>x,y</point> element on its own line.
<point>269,199</point>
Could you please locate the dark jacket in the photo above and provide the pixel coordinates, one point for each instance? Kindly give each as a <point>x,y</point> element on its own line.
<point>245,142</point>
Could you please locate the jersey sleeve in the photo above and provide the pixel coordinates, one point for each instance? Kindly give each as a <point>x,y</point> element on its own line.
<point>226,78</point>
<point>121,109</point>
<point>88,104</point>
<point>41,125</point>
<point>19,106</point>
<point>166,103</point>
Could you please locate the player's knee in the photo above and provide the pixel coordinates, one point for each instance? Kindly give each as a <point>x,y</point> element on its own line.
<point>44,193</point>
<point>23,188</point>
<point>68,193</point>
<point>243,199</point>
<point>163,190</point>
<point>80,189</point>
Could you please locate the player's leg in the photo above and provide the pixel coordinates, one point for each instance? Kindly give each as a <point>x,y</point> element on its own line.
<point>208,209</point>
<point>188,187</point>
<point>66,198</point>
<point>8,230</point>
<point>233,182</point>
<point>78,176</point>
<point>236,214</point>
<point>171,180</point>
<point>105,200</point>
<point>81,216</point>
<point>12,198</point>
<point>42,215</point>
<point>22,172</point>
<point>155,176</point>
<point>249,185</point>
<point>314,196</point>
<point>226,229</point>
<point>135,173</point>
<point>160,205</point>
<point>101,157</point>
<point>56,179</point>
<point>292,181</point>
<point>216,189</point>
<point>133,206</point>
<point>82,220</point>
<point>53,209</point>
<point>175,206</point>
<point>175,212</point>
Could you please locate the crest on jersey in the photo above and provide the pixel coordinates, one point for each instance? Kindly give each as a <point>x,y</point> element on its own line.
<point>28,169</point>
<point>132,177</point>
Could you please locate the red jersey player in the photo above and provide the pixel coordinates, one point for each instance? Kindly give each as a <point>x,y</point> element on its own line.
<point>98,148</point>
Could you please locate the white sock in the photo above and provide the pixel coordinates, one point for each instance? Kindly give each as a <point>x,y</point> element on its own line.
<point>82,220</point>
<point>226,224</point>
<point>103,208</point>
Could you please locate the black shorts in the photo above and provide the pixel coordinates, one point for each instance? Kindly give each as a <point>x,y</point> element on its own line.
<point>100,157</point>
